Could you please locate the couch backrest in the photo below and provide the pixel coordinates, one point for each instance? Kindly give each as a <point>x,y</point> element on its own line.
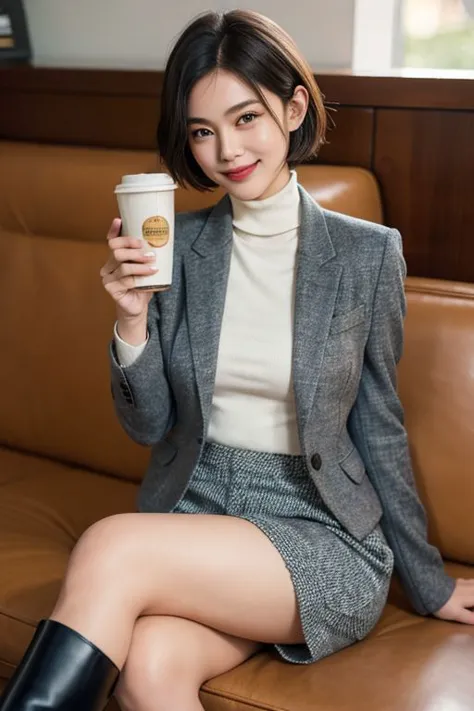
<point>67,192</point>
<point>56,204</point>
<point>436,385</point>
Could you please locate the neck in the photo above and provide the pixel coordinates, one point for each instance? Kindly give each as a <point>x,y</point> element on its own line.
<point>278,184</point>
<point>276,214</point>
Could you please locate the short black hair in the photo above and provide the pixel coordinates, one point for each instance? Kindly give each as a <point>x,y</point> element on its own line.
<point>259,52</point>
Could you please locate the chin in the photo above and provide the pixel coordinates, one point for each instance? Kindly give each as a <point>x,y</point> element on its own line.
<point>251,190</point>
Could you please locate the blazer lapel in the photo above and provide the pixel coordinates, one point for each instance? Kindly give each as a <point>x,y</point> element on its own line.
<point>206,267</point>
<point>317,283</point>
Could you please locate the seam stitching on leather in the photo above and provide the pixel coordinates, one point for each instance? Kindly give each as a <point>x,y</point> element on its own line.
<point>24,621</point>
<point>7,664</point>
<point>243,700</point>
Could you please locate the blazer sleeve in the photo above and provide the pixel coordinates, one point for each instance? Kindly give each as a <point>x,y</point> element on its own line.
<point>142,396</point>
<point>376,424</point>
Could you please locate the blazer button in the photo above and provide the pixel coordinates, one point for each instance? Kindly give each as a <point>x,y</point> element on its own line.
<point>316,461</point>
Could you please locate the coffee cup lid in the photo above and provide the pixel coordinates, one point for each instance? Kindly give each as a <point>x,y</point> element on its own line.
<point>144,182</point>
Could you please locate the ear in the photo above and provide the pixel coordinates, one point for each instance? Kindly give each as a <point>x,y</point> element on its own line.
<point>297,107</point>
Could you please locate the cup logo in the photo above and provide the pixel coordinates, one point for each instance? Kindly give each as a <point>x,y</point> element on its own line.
<point>156,231</point>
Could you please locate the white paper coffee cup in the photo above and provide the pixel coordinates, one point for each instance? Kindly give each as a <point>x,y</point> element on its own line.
<point>146,205</point>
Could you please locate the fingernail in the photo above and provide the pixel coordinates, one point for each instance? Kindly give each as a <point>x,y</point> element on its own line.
<point>149,254</point>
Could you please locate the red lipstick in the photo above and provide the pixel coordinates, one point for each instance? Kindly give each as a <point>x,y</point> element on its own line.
<point>241,173</point>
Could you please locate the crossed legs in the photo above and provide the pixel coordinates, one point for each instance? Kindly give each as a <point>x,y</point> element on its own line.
<point>175,599</point>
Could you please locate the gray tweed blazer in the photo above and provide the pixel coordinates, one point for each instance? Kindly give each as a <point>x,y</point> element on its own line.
<point>348,332</point>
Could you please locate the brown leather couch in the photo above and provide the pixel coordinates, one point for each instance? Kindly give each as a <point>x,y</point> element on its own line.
<point>64,462</point>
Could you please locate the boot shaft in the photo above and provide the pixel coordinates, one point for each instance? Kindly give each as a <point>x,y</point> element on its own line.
<point>60,671</point>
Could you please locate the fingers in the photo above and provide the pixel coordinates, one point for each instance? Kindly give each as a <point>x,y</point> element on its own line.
<point>125,251</point>
<point>128,269</point>
<point>117,241</point>
<point>460,607</point>
<point>467,595</point>
<point>115,228</point>
<point>140,254</point>
<point>109,267</point>
<point>122,278</point>
<point>128,256</point>
<point>466,617</point>
<point>117,289</point>
<point>126,242</point>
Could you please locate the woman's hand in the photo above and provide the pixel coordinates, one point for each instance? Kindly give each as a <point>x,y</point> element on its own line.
<point>461,603</point>
<point>127,260</point>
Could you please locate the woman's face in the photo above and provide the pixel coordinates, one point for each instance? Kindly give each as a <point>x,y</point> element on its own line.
<point>230,128</point>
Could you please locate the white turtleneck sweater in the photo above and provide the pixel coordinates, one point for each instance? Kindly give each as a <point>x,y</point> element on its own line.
<point>253,404</point>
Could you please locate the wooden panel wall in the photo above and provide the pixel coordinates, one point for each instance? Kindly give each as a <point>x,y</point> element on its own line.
<point>120,110</point>
<point>416,134</point>
<point>425,163</point>
<point>423,157</point>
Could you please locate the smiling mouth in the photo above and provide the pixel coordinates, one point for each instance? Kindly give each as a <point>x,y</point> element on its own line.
<point>241,172</point>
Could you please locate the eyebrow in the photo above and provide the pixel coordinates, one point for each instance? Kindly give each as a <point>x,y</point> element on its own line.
<point>232,110</point>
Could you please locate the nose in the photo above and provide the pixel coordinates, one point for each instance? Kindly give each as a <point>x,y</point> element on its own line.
<point>229,147</point>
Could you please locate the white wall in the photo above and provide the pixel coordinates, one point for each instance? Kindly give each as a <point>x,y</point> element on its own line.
<point>377,37</point>
<point>137,34</point>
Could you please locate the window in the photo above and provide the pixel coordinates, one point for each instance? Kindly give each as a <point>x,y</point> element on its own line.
<point>438,34</point>
<point>413,35</point>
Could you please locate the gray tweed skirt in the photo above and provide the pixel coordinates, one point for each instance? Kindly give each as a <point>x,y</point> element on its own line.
<point>341,584</point>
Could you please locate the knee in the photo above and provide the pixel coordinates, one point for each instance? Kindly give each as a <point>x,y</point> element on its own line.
<point>102,548</point>
<point>155,674</point>
<point>147,685</point>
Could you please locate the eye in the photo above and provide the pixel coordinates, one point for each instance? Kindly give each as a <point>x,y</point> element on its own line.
<point>198,133</point>
<point>249,117</point>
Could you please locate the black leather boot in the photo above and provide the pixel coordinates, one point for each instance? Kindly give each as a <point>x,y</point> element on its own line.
<point>61,670</point>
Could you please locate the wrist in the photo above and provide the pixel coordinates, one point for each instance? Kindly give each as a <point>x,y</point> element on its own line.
<point>132,329</point>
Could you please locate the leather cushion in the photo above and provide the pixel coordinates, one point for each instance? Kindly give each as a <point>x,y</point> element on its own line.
<point>436,388</point>
<point>44,508</point>
<point>54,340</point>
<point>67,192</point>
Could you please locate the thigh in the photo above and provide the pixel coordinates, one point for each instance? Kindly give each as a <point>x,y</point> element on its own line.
<point>171,655</point>
<point>220,571</point>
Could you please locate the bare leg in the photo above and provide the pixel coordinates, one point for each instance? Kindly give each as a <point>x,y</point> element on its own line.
<point>220,571</point>
<point>170,658</point>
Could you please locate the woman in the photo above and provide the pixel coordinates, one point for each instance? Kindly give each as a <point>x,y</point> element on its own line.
<point>279,490</point>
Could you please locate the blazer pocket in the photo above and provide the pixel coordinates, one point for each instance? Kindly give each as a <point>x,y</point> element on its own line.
<point>353,466</point>
<point>342,322</point>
